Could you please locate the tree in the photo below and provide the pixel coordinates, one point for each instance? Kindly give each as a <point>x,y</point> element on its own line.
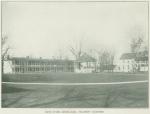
<point>60,54</point>
<point>136,44</point>
<point>5,49</point>
<point>77,51</point>
<point>106,60</point>
<point>138,39</point>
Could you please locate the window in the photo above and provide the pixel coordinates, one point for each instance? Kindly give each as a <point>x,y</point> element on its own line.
<point>13,62</point>
<point>16,62</point>
<point>143,65</point>
<point>16,69</point>
<point>29,63</point>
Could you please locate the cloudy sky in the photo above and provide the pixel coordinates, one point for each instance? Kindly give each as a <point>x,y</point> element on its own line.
<point>43,29</point>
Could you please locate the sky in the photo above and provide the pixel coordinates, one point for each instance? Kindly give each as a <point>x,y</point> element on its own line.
<point>47,29</point>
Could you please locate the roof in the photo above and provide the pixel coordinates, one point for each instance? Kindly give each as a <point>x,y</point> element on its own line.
<point>39,59</point>
<point>137,57</point>
<point>141,59</point>
<point>86,58</point>
<point>128,56</point>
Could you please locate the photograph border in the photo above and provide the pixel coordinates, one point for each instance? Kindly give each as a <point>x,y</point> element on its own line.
<point>73,110</point>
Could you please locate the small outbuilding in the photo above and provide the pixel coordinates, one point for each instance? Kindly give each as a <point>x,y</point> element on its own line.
<point>85,64</point>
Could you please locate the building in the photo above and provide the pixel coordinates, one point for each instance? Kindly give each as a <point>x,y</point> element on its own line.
<point>126,63</point>
<point>32,65</point>
<point>132,62</point>
<point>85,64</point>
<point>142,63</point>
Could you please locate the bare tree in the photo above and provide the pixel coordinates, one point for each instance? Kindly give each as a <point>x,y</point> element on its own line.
<point>77,51</point>
<point>137,39</point>
<point>60,54</point>
<point>136,44</point>
<point>106,60</point>
<point>5,49</point>
<point>139,46</point>
<point>111,58</point>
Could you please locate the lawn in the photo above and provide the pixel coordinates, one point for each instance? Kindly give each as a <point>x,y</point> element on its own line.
<point>74,77</point>
<point>79,96</point>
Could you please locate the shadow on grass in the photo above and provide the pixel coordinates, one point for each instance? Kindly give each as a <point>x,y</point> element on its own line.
<point>9,89</point>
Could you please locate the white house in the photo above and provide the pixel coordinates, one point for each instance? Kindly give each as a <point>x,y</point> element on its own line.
<point>131,62</point>
<point>85,64</point>
<point>142,63</point>
<point>126,63</point>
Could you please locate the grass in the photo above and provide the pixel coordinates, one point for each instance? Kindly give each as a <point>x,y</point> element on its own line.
<point>74,78</point>
<point>81,96</point>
